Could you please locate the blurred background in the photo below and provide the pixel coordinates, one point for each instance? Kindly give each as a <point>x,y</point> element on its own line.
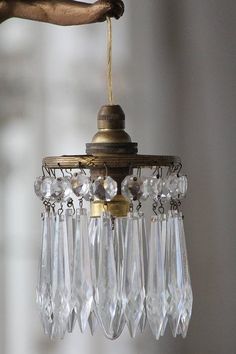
<point>175,77</point>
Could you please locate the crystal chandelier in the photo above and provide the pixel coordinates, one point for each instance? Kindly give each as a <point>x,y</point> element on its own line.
<point>103,262</point>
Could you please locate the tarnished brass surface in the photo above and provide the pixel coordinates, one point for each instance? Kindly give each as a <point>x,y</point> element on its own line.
<point>112,161</point>
<point>61,12</point>
<point>111,117</point>
<point>118,207</point>
<point>111,137</point>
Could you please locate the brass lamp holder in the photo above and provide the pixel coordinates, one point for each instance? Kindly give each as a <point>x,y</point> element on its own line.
<point>112,153</point>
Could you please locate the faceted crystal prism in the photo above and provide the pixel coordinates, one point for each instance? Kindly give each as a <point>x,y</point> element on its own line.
<point>104,188</point>
<point>178,278</point>
<point>94,239</point>
<point>82,186</point>
<point>70,226</point>
<point>108,299</point>
<point>133,284</point>
<point>156,299</point>
<point>44,287</point>
<point>92,321</point>
<point>61,190</point>
<point>82,291</point>
<point>61,286</point>
<point>133,188</point>
<point>143,230</point>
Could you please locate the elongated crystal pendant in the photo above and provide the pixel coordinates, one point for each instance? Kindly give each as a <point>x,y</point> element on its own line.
<point>142,226</point>
<point>108,291</point>
<point>133,289</point>
<point>156,299</point>
<point>94,237</point>
<point>61,286</point>
<point>178,278</point>
<point>44,288</point>
<point>82,292</point>
<point>70,225</point>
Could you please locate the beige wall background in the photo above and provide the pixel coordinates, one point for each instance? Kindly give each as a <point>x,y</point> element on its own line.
<point>175,76</point>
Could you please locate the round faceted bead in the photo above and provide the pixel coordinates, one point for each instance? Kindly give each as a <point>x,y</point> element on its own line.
<point>182,186</point>
<point>46,189</point>
<point>82,186</point>
<point>155,186</point>
<point>133,188</point>
<point>104,188</point>
<point>37,187</point>
<point>172,185</point>
<point>61,189</point>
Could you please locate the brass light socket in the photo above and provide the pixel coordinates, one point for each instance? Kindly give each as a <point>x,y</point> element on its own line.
<point>111,137</point>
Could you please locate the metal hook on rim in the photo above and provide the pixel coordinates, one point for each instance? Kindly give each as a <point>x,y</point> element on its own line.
<point>69,172</point>
<point>81,169</point>
<point>59,165</point>
<point>106,169</point>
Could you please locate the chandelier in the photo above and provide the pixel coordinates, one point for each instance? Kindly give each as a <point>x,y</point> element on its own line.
<point>103,262</point>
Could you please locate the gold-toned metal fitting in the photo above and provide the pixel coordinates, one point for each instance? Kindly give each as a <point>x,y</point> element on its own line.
<point>118,207</point>
<point>111,137</point>
<point>111,117</point>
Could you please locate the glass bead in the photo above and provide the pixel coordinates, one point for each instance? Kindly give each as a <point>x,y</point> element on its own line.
<point>182,186</point>
<point>37,187</point>
<point>133,188</point>
<point>104,188</point>
<point>155,186</point>
<point>172,183</point>
<point>46,189</point>
<point>82,186</point>
<point>61,189</point>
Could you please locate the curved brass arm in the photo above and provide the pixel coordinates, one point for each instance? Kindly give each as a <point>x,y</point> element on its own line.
<point>61,12</point>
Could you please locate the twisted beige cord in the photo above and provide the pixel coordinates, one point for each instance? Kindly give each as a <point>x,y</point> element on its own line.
<point>109,61</point>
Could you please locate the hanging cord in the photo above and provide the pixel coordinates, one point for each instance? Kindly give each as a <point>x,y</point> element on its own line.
<point>109,61</point>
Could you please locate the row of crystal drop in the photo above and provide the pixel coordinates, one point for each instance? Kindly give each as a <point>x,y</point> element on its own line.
<point>133,188</point>
<point>107,271</point>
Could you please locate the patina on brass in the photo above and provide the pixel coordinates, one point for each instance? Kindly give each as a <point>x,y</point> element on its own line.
<point>110,153</point>
<point>61,12</point>
<point>111,137</point>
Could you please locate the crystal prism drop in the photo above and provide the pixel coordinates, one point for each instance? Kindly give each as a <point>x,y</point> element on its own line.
<point>156,300</point>
<point>44,288</point>
<point>61,286</point>
<point>70,225</point>
<point>94,237</point>
<point>178,278</point>
<point>82,292</point>
<point>108,290</point>
<point>133,289</point>
<point>92,321</point>
<point>143,230</point>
